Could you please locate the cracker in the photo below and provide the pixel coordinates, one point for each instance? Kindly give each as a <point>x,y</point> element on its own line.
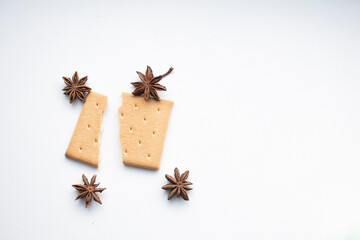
<point>143,126</point>
<point>84,144</point>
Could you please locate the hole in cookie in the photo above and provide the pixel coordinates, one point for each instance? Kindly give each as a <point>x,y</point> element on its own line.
<point>158,109</point>
<point>88,126</point>
<point>144,119</point>
<point>97,104</point>
<point>122,114</point>
<point>135,105</point>
<point>130,129</point>
<point>95,141</point>
<point>148,155</point>
<point>139,142</point>
<point>125,151</point>
<point>153,133</point>
<point>80,149</point>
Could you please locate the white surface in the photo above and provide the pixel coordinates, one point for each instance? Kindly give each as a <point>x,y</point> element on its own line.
<point>266,118</point>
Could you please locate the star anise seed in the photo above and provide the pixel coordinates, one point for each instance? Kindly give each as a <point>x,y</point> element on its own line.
<point>149,84</point>
<point>178,185</point>
<point>88,190</point>
<point>75,87</point>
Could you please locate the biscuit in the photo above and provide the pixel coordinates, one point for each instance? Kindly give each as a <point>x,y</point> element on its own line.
<point>143,126</point>
<point>85,142</point>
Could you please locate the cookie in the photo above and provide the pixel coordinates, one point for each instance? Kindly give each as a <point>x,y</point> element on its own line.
<point>143,126</point>
<point>85,142</point>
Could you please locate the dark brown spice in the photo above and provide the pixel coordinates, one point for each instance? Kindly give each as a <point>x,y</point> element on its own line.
<point>149,84</point>
<point>75,87</point>
<point>178,184</point>
<point>88,190</point>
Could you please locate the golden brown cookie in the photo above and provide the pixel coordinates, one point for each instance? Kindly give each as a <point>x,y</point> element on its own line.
<point>143,126</point>
<point>84,144</point>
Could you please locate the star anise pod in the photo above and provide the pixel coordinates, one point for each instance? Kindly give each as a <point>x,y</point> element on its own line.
<point>178,184</point>
<point>88,190</point>
<point>75,87</point>
<point>149,84</point>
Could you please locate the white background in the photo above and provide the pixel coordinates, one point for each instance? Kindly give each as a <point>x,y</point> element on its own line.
<point>266,118</point>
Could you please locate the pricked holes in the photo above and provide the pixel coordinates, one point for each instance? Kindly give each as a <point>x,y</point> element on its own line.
<point>148,155</point>
<point>122,114</point>
<point>139,142</point>
<point>158,109</point>
<point>144,119</point>
<point>125,151</point>
<point>153,133</point>
<point>95,141</point>
<point>80,149</point>
<point>97,105</point>
<point>130,129</point>
<point>88,126</point>
<point>135,106</point>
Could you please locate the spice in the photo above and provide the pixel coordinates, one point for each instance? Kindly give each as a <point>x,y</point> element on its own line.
<point>149,84</point>
<point>75,87</point>
<point>178,184</point>
<point>88,190</point>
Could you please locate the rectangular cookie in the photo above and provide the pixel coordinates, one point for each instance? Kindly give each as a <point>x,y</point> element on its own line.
<point>84,144</point>
<point>143,126</point>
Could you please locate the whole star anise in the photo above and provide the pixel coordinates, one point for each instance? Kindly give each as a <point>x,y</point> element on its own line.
<point>88,190</point>
<point>75,87</point>
<point>149,84</point>
<point>178,184</point>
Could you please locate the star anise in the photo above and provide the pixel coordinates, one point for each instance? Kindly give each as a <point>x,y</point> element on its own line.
<point>149,84</point>
<point>88,190</point>
<point>178,184</point>
<point>75,87</point>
